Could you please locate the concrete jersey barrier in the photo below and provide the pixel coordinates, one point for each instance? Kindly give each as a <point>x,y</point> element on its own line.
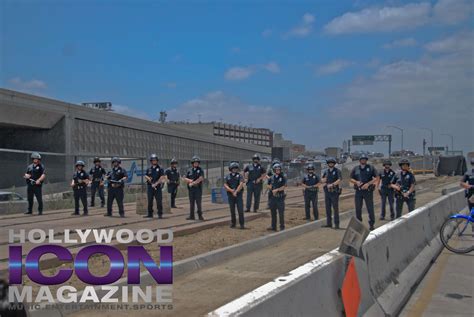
<point>397,256</point>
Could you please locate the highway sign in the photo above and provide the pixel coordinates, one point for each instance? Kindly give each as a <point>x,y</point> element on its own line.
<point>363,139</point>
<point>436,148</point>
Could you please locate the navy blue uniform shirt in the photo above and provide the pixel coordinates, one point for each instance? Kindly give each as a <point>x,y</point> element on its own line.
<point>155,173</point>
<point>97,173</point>
<point>35,171</point>
<point>255,171</point>
<point>233,180</point>
<point>194,173</point>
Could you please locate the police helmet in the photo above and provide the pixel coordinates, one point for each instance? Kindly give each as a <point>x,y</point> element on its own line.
<point>275,160</point>
<point>35,155</point>
<point>195,158</point>
<point>310,167</point>
<point>276,166</point>
<point>233,165</point>
<point>80,163</point>
<point>363,157</point>
<point>256,156</point>
<point>174,161</point>
<point>387,162</point>
<point>330,160</point>
<point>403,161</point>
<point>116,159</point>
<point>96,159</point>
<point>472,160</point>
<point>153,157</point>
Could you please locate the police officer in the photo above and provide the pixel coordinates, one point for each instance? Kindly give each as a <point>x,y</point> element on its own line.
<point>254,175</point>
<point>116,181</point>
<point>364,178</point>
<point>194,178</point>
<point>269,175</point>
<point>35,176</point>
<point>79,183</point>
<point>403,183</point>
<point>386,190</point>
<point>467,183</point>
<point>332,178</point>
<point>310,184</point>
<point>172,176</point>
<point>234,185</point>
<point>97,182</point>
<point>277,186</point>
<point>155,177</point>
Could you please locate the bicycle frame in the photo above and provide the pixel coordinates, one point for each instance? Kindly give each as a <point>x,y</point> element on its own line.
<point>469,218</point>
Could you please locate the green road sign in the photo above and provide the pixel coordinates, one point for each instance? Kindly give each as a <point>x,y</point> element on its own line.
<point>436,148</point>
<point>363,139</point>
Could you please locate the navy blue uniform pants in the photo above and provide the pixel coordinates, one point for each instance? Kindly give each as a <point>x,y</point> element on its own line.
<point>277,205</point>
<point>331,200</point>
<point>368,197</point>
<point>195,199</point>
<point>115,194</point>
<point>311,198</point>
<point>173,191</point>
<point>410,204</point>
<point>80,194</point>
<point>387,194</point>
<point>154,194</point>
<point>95,187</point>
<point>35,191</point>
<point>253,190</point>
<point>236,202</point>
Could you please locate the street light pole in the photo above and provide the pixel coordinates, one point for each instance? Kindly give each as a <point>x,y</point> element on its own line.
<point>432,134</point>
<point>452,140</point>
<point>398,128</point>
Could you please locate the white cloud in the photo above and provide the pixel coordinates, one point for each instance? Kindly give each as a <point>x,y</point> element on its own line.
<point>244,72</point>
<point>333,67</point>
<point>433,90</point>
<point>380,19</point>
<point>217,106</point>
<point>409,16</point>
<point>272,67</point>
<point>462,41</point>
<point>133,112</point>
<point>239,73</point>
<point>303,29</point>
<point>27,85</point>
<point>452,11</point>
<point>406,42</point>
<point>267,32</point>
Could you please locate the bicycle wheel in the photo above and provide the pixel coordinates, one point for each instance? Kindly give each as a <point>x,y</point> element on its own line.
<point>457,235</point>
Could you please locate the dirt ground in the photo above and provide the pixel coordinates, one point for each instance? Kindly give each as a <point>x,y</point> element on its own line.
<point>222,236</point>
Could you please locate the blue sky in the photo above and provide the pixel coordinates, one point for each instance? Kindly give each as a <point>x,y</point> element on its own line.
<point>318,71</point>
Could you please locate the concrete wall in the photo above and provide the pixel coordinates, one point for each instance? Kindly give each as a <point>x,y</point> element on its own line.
<point>397,256</point>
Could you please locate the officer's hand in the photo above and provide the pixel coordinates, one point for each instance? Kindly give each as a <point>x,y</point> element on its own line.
<point>366,186</point>
<point>406,195</point>
<point>27,176</point>
<point>38,182</point>
<point>359,183</point>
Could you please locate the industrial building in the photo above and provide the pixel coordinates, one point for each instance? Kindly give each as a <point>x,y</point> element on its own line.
<point>68,131</point>
<point>234,132</point>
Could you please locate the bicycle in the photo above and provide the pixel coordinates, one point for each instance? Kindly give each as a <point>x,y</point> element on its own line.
<point>457,233</point>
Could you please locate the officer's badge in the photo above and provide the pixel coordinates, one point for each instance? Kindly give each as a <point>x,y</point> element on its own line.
<point>368,169</point>
<point>334,173</point>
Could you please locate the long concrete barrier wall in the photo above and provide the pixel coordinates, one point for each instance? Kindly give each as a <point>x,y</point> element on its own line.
<point>397,256</point>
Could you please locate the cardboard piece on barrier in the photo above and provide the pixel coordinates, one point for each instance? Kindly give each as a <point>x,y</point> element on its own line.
<point>354,237</point>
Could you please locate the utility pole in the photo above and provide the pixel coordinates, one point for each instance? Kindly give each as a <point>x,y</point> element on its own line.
<point>401,130</point>
<point>424,151</point>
